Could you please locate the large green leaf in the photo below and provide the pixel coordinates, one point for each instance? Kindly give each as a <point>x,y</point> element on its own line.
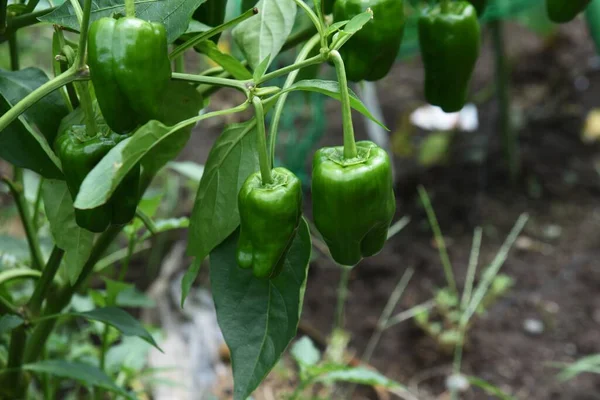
<point>153,144</point>
<point>87,374</point>
<point>225,60</point>
<point>120,320</point>
<point>27,142</point>
<point>264,35</point>
<point>74,240</point>
<point>175,15</point>
<point>258,317</point>
<point>231,160</point>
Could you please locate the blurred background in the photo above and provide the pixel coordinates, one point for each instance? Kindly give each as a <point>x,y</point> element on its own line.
<point>526,142</point>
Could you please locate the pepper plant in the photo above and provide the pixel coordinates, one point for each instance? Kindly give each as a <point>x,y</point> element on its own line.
<point>115,114</point>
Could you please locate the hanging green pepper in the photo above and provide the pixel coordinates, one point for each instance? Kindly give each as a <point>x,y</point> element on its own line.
<point>479,6</point>
<point>371,52</point>
<point>561,11</point>
<point>130,69</point>
<point>353,201</point>
<point>211,13</point>
<point>449,37</point>
<point>79,154</point>
<point>269,217</point>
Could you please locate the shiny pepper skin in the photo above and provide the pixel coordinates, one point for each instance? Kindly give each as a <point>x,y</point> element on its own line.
<point>130,70</point>
<point>353,201</point>
<point>450,44</point>
<point>78,156</point>
<point>269,218</point>
<point>371,52</point>
<point>561,11</point>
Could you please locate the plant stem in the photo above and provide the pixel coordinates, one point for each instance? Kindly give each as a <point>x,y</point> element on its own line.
<point>130,8</point>
<point>85,23</point>
<point>261,142</point>
<point>78,11</point>
<point>36,207</point>
<point>439,240</point>
<point>3,9</point>
<point>510,140</point>
<point>6,307</point>
<point>342,295</point>
<point>104,347</point>
<point>85,99</point>
<point>31,4</point>
<point>211,80</point>
<point>193,41</point>
<point>349,143</point>
<point>17,190</point>
<point>14,379</point>
<point>318,59</point>
<point>69,76</point>
<point>14,52</point>
<point>382,324</point>
<point>304,52</point>
<point>41,332</point>
<point>130,250</point>
<point>45,282</point>
<point>471,269</point>
<point>21,21</point>
<point>315,20</point>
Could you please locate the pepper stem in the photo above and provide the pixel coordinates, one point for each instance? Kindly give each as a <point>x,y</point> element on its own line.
<point>261,141</point>
<point>130,8</point>
<point>349,143</point>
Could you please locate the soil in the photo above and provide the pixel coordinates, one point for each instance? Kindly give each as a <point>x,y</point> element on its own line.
<point>555,83</point>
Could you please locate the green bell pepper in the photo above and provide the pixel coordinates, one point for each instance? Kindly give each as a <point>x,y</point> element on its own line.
<point>130,69</point>
<point>450,42</point>
<point>269,217</point>
<point>371,52</point>
<point>79,155</point>
<point>353,201</point>
<point>561,11</point>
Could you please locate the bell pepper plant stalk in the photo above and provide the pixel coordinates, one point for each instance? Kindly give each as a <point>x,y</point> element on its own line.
<point>130,8</point>
<point>13,51</point>
<point>261,141</point>
<point>3,9</point>
<point>317,22</point>
<point>17,191</point>
<point>509,137</point>
<point>201,37</point>
<point>349,142</point>
<point>304,52</point>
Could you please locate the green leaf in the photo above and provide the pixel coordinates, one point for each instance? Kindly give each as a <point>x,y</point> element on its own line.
<point>175,15</point>
<point>120,320</point>
<point>215,216</point>
<point>332,89</point>
<point>9,322</point>
<point>264,35</point>
<point>87,374</point>
<point>359,375</point>
<point>74,240</point>
<point>189,169</point>
<point>154,145</point>
<point>227,61</point>
<point>258,317</point>
<point>305,353</point>
<point>188,279</point>
<point>260,71</point>
<point>353,26</point>
<point>489,388</point>
<point>21,143</point>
